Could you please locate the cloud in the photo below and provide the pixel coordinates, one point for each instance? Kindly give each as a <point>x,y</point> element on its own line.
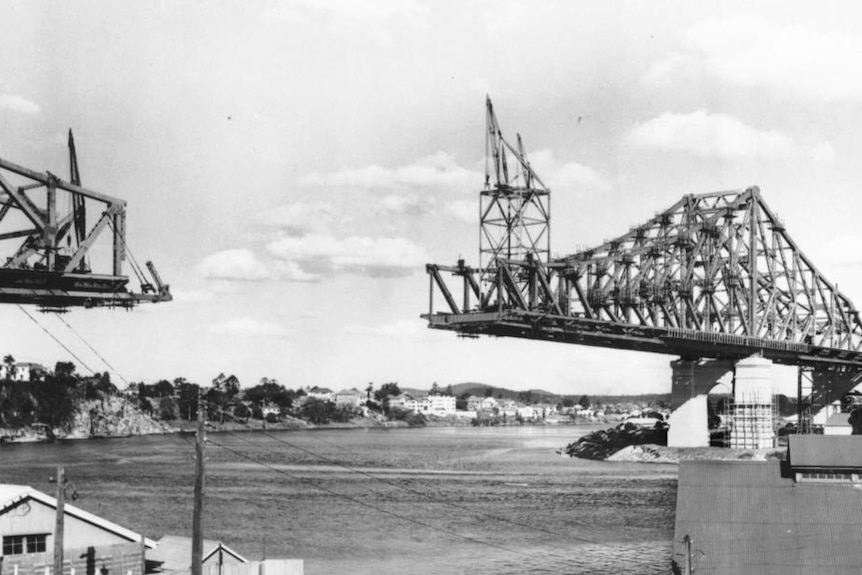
<point>790,61</point>
<point>300,218</point>
<point>321,254</point>
<point>407,204</point>
<point>19,104</point>
<point>249,328</point>
<point>558,174</point>
<point>719,135</point>
<point>436,172</point>
<point>234,265</point>
<point>464,210</point>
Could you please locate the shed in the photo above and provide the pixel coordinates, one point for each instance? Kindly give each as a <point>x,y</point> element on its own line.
<point>175,554</point>
<point>753,517</point>
<point>27,518</point>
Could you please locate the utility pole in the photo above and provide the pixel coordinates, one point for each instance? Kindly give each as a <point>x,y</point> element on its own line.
<point>58,525</point>
<point>197,519</point>
<point>686,565</point>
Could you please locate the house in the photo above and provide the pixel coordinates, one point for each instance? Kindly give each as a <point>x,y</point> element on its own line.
<point>268,409</point>
<point>437,404</point>
<point>838,424</point>
<point>27,521</point>
<point>321,393</point>
<point>24,371</point>
<point>527,412</point>
<point>403,401</point>
<point>350,397</point>
<point>798,516</point>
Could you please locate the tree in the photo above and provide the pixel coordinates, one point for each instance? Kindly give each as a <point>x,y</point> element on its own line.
<point>270,391</point>
<point>9,361</point>
<point>435,389</point>
<point>240,411</point>
<point>64,370</point>
<point>188,398</point>
<point>584,401</point>
<point>526,397</point>
<point>316,411</point>
<point>461,401</point>
<point>168,409</point>
<point>163,388</point>
<point>369,389</point>
<point>55,405</point>
<point>489,392</point>
<point>231,386</point>
<point>386,390</point>
<point>448,390</point>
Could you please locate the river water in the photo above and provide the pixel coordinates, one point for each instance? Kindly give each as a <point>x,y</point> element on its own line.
<point>381,501</point>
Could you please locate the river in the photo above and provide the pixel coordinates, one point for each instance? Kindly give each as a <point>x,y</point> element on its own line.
<point>383,501</point>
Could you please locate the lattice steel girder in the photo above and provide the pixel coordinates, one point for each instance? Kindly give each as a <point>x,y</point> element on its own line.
<point>51,267</point>
<point>718,264</point>
<point>514,207</point>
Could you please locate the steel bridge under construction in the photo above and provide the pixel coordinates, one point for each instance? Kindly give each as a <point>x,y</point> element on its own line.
<point>714,279</point>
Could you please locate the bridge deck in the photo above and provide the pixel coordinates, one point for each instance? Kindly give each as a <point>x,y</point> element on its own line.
<point>665,340</point>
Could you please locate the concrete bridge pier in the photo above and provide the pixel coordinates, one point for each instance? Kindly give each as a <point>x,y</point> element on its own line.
<point>692,382</point>
<point>752,420</point>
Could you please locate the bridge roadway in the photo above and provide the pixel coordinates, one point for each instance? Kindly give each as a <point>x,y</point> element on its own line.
<point>686,343</point>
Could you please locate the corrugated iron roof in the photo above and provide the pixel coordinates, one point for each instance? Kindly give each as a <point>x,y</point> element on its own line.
<point>826,451</point>
<point>12,495</point>
<point>745,518</point>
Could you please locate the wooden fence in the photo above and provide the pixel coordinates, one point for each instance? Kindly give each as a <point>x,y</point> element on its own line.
<point>123,559</point>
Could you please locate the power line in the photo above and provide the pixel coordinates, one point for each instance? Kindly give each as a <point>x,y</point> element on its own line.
<point>368,505</point>
<point>425,495</point>
<point>105,361</point>
<point>421,493</point>
<point>60,343</point>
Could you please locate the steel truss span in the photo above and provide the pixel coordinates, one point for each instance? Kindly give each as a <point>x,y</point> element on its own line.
<point>715,275</point>
<point>54,255</point>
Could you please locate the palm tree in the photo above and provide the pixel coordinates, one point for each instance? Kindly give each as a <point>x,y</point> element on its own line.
<point>9,362</point>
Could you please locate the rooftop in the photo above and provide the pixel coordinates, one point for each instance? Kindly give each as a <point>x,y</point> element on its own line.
<point>744,517</point>
<point>13,495</point>
<point>826,451</point>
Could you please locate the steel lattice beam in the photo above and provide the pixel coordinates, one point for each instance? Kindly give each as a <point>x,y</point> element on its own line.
<point>51,266</point>
<point>715,275</point>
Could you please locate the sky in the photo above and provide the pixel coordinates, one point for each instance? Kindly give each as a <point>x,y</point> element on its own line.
<point>291,166</point>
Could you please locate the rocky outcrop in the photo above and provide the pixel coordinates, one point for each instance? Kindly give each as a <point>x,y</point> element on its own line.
<point>603,443</point>
<point>112,417</point>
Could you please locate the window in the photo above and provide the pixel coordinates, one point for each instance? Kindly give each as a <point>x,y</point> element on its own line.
<point>19,544</point>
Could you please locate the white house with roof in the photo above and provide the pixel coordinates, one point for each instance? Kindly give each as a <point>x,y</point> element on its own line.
<point>437,404</point>
<point>350,397</point>
<point>321,393</point>
<point>27,521</point>
<point>23,371</point>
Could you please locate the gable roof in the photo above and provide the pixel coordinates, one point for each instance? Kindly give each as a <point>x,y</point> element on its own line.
<point>13,495</point>
<point>174,552</point>
<point>744,517</point>
<point>832,451</point>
